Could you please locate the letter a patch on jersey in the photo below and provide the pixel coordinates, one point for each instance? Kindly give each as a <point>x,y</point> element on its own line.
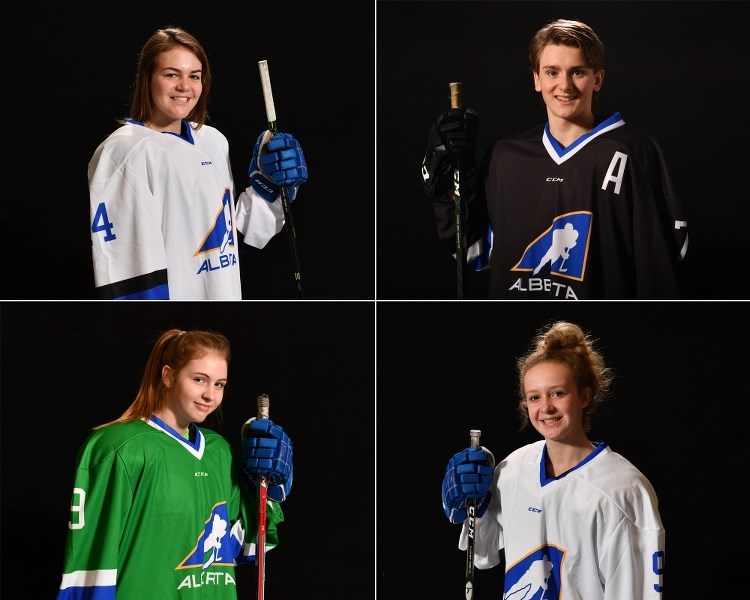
<point>564,247</point>
<point>537,575</point>
<point>221,234</point>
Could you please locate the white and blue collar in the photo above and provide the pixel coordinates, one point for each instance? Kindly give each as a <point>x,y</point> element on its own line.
<point>560,154</point>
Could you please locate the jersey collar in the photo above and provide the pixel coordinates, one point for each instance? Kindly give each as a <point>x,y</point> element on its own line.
<point>195,448</point>
<point>560,154</point>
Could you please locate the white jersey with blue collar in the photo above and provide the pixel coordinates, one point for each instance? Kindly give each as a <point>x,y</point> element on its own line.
<point>163,218</point>
<point>593,533</point>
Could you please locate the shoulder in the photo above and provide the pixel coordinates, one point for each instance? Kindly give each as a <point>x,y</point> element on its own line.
<point>517,144</point>
<point>530,453</point>
<point>214,438</point>
<point>627,487</point>
<point>119,144</point>
<point>209,133</point>
<point>109,440</point>
<point>128,132</point>
<point>634,137</point>
<point>533,134</point>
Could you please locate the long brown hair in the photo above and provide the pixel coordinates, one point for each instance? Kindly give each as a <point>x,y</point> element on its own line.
<point>174,348</point>
<point>162,41</point>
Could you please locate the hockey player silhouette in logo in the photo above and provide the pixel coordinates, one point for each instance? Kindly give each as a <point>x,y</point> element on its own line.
<point>212,543</point>
<point>563,240</point>
<point>228,223</point>
<point>536,577</point>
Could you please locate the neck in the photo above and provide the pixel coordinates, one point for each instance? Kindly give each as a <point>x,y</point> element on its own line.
<point>562,457</point>
<point>568,131</point>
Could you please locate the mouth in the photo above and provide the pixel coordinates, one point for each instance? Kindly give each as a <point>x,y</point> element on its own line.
<point>550,422</point>
<point>566,99</point>
<point>203,407</point>
<point>181,99</point>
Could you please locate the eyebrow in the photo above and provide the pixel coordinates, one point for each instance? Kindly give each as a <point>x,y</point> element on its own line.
<point>207,376</point>
<point>178,70</point>
<point>573,68</point>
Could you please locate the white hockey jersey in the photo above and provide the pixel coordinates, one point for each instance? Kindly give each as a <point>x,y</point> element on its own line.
<point>163,218</point>
<point>594,533</point>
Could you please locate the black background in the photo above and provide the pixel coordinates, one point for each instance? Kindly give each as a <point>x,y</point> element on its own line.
<point>677,412</point>
<point>69,76</point>
<point>442,367</point>
<point>675,68</point>
<point>67,367</point>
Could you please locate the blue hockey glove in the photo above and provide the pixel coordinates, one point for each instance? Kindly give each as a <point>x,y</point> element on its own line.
<point>267,451</point>
<point>279,162</point>
<point>468,475</point>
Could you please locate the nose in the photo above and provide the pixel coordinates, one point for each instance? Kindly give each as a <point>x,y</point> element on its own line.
<point>547,405</point>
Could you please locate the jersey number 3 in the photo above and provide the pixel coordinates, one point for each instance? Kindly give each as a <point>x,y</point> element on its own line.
<point>101,222</point>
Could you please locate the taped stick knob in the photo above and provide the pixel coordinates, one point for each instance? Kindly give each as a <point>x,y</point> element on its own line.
<point>457,92</point>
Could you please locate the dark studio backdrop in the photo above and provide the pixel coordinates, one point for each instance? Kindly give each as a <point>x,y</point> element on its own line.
<point>72,70</point>
<point>676,412</point>
<point>67,367</point>
<point>671,67</point>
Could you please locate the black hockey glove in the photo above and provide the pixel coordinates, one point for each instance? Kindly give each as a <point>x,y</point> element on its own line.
<point>452,139</point>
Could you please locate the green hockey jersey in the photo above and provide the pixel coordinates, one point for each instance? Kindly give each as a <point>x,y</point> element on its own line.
<point>156,515</point>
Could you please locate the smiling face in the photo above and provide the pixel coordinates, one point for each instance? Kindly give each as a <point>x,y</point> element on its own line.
<point>176,86</point>
<point>554,402</point>
<point>195,391</point>
<point>567,85</point>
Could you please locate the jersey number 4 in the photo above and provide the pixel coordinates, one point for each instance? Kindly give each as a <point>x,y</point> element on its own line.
<point>101,222</point>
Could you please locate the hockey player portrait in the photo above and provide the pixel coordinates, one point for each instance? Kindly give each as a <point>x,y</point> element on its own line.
<point>567,516</point>
<point>165,220</point>
<point>579,207</point>
<point>164,507</point>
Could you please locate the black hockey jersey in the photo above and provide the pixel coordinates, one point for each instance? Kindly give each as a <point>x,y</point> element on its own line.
<point>596,220</point>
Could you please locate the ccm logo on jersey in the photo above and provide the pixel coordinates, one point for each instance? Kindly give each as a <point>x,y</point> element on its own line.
<point>556,179</point>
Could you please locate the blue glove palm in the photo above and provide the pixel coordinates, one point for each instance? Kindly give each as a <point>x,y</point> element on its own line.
<point>467,475</point>
<point>267,451</point>
<point>279,162</point>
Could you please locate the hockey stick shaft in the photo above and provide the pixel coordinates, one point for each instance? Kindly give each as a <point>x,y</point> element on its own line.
<point>457,102</point>
<point>265,80</point>
<point>260,551</point>
<point>471,511</point>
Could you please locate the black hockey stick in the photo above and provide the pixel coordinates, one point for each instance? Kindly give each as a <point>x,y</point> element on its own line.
<point>471,511</point>
<point>457,102</point>
<point>265,80</point>
<point>260,545</point>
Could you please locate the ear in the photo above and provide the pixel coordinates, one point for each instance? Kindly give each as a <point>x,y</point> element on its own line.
<point>598,79</point>
<point>166,376</point>
<point>537,85</point>
<point>586,397</point>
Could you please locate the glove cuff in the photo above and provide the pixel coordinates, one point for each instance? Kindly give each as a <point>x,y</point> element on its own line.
<point>266,188</point>
<point>277,493</point>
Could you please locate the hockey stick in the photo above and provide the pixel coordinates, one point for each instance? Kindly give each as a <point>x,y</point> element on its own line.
<point>265,80</point>
<point>260,546</point>
<point>471,511</point>
<point>457,102</point>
